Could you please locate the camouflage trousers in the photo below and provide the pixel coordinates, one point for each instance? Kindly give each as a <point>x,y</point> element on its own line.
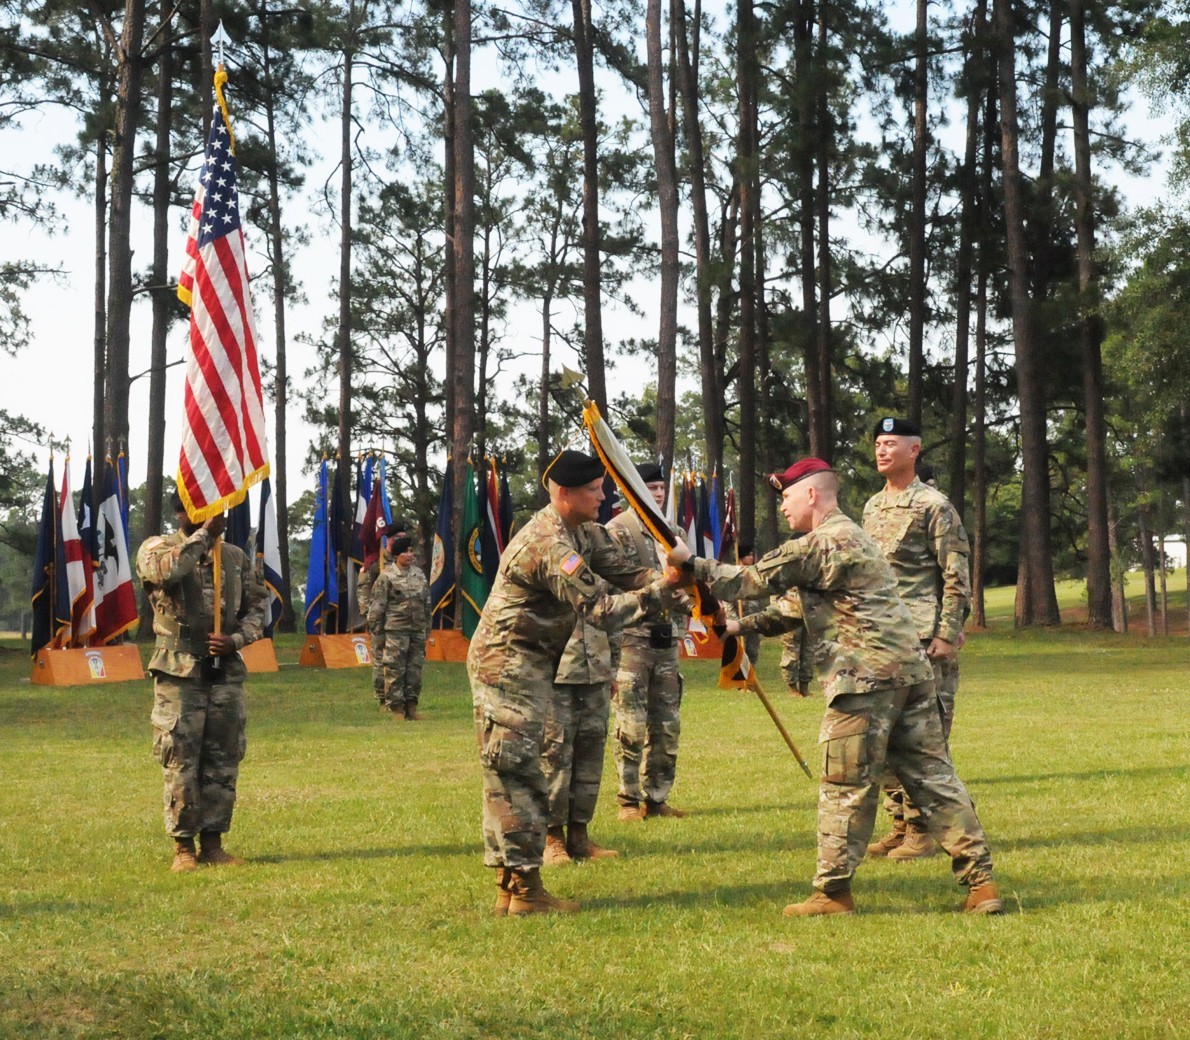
<point>572,760</point>
<point>401,664</point>
<point>797,668</point>
<point>901,728</point>
<point>510,729</point>
<point>946,682</point>
<point>646,701</point>
<point>378,665</point>
<point>199,737</point>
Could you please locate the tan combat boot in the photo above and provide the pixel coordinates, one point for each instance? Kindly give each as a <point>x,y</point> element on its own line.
<point>983,899</point>
<point>503,896</point>
<point>631,813</point>
<point>411,712</point>
<point>662,809</point>
<point>820,904</point>
<point>211,852</point>
<point>894,839</point>
<point>184,858</point>
<point>530,897</point>
<point>580,845</point>
<point>917,845</point>
<point>555,854</point>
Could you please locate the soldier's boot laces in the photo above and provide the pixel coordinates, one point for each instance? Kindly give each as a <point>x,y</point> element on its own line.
<point>662,809</point>
<point>983,899</point>
<point>631,813</point>
<point>530,897</point>
<point>503,895</point>
<point>580,845</point>
<point>212,853</point>
<point>821,904</point>
<point>555,854</point>
<point>917,845</point>
<point>411,712</point>
<point>894,839</point>
<point>184,858</point>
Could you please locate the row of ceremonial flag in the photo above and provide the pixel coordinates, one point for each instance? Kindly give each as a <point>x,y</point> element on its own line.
<point>83,593</point>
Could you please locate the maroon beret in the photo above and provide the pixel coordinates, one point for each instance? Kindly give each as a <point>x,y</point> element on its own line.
<point>798,471</point>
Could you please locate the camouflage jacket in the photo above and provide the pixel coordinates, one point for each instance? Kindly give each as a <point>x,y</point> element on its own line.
<point>863,637</point>
<point>923,539</point>
<point>178,575</point>
<point>363,586</point>
<point>634,540</point>
<point>777,615</point>
<point>551,576</point>
<point>399,600</point>
<point>587,658</point>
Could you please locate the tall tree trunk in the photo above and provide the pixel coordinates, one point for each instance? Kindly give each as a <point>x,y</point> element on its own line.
<point>1091,327</point>
<point>667,199</point>
<point>1148,557</point>
<point>1119,602</point>
<point>462,376</point>
<point>710,374</point>
<point>749,208</point>
<point>979,480</point>
<point>99,343</point>
<point>343,335</point>
<point>448,214</point>
<point>824,346</point>
<point>584,47</point>
<point>1037,603</point>
<point>119,281</point>
<point>917,216</point>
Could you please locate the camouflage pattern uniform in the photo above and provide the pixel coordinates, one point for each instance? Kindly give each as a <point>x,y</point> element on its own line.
<point>199,717</point>
<point>782,615</point>
<point>923,539</point>
<point>880,693</point>
<point>647,697</point>
<point>398,620</point>
<point>576,727</point>
<point>363,596</point>
<point>550,576</point>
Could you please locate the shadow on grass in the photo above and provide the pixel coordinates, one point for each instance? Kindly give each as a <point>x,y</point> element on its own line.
<point>1135,836</point>
<point>393,852</point>
<point>1092,774</point>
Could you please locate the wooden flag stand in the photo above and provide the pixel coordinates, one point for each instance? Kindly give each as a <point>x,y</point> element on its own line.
<point>446,644</point>
<point>260,656</point>
<point>349,650</point>
<point>87,665</point>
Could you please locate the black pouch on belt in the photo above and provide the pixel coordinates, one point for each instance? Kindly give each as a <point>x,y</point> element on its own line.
<point>661,637</point>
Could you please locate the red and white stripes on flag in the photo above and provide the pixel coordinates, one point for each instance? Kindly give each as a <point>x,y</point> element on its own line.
<point>224,443</point>
<point>76,569</point>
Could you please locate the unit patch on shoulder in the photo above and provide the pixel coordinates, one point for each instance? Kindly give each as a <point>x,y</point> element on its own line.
<point>572,563</point>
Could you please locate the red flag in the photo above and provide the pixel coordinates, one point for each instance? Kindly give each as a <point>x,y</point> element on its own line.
<point>372,529</point>
<point>224,444</point>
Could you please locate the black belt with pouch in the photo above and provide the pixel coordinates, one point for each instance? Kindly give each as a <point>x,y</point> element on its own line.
<point>661,637</point>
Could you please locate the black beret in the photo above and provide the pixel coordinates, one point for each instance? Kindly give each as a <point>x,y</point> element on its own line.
<point>398,526</point>
<point>573,469</point>
<point>401,544</point>
<point>891,425</point>
<point>650,472</point>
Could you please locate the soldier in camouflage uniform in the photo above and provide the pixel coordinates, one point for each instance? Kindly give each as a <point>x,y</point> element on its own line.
<point>398,620</point>
<point>647,699</point>
<point>782,615</point>
<point>368,574</point>
<point>923,540</point>
<point>199,717</point>
<point>879,686</point>
<point>555,570</point>
<point>575,738</point>
<point>744,607</point>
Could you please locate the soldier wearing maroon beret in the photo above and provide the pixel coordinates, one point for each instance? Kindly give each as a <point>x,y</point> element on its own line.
<point>878,684</point>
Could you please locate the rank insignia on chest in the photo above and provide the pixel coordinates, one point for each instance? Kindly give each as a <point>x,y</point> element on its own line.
<point>572,563</point>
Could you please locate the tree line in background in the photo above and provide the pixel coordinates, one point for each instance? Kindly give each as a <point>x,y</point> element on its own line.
<point>857,219</point>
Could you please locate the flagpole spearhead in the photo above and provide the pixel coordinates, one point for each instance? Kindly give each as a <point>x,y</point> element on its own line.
<point>219,38</point>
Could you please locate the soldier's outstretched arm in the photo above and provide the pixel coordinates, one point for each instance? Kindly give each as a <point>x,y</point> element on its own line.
<point>571,580</point>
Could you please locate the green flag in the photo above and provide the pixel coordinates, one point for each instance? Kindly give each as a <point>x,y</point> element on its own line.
<point>471,583</point>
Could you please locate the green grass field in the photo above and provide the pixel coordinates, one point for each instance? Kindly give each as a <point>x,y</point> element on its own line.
<point>364,909</point>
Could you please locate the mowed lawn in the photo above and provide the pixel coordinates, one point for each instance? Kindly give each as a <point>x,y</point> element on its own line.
<point>364,910</point>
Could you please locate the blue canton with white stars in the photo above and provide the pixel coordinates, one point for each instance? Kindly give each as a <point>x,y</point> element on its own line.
<point>221,199</point>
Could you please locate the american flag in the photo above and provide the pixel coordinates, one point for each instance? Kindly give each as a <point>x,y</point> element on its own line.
<point>224,444</point>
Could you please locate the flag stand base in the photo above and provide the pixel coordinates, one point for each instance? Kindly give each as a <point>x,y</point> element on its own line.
<point>446,644</point>
<point>87,665</point>
<point>349,650</point>
<point>260,656</point>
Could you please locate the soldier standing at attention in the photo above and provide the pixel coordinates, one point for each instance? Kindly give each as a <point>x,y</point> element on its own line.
<point>368,574</point>
<point>922,537</point>
<point>878,683</point>
<point>648,692</point>
<point>575,739</point>
<point>199,718</point>
<point>398,620</point>
<point>555,570</point>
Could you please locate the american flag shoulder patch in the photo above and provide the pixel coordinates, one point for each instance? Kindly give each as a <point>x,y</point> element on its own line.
<point>572,563</point>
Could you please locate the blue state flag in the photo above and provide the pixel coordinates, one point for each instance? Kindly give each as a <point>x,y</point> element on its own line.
<point>322,583</point>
